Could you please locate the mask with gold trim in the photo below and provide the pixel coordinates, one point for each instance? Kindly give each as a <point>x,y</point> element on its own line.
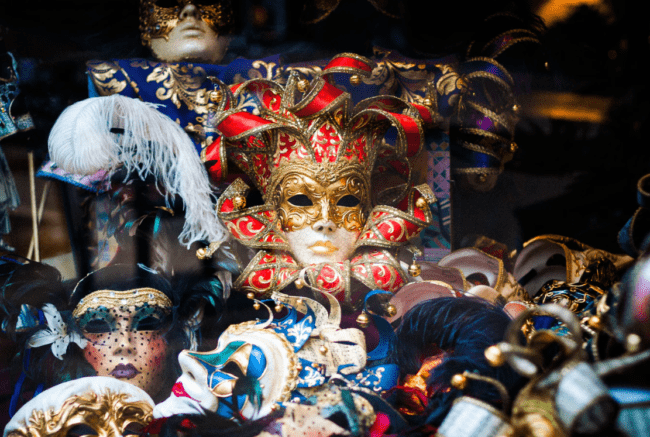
<point>124,332</point>
<point>257,365</point>
<point>555,257</point>
<point>105,407</point>
<point>186,30</point>
<point>127,317</point>
<point>336,180</point>
<point>159,17</point>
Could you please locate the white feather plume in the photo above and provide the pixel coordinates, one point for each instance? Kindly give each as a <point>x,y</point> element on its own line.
<point>81,142</point>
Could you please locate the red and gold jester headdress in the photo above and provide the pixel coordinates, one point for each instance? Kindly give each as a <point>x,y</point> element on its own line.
<point>314,129</point>
<point>321,131</point>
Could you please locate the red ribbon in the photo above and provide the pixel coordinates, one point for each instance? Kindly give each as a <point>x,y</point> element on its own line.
<point>213,153</point>
<point>346,62</point>
<point>320,101</point>
<point>412,131</point>
<point>240,122</point>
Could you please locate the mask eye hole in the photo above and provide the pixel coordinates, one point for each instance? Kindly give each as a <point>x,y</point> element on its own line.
<point>349,201</point>
<point>149,323</point>
<point>233,369</point>
<point>300,200</point>
<point>97,326</point>
<point>81,430</point>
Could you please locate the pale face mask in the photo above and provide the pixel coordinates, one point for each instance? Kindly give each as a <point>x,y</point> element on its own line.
<point>321,223</point>
<point>258,359</point>
<point>182,30</point>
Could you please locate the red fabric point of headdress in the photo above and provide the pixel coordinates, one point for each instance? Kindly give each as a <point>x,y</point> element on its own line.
<point>347,62</point>
<point>240,122</point>
<point>324,97</point>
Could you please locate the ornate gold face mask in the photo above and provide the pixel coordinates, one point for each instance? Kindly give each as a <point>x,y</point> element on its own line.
<point>323,218</point>
<point>159,17</point>
<point>109,412</point>
<point>302,202</point>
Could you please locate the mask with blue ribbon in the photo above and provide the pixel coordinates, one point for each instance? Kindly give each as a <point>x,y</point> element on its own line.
<point>259,366</point>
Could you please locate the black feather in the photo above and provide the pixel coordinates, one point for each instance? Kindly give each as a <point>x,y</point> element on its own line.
<point>463,328</point>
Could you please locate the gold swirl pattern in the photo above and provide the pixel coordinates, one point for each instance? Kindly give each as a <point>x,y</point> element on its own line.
<point>109,415</point>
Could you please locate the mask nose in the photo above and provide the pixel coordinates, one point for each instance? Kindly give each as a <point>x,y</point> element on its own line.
<point>125,345</point>
<point>190,367</point>
<point>189,11</point>
<point>325,224</point>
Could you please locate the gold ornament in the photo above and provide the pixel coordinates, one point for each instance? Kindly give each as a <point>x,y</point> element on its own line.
<point>114,298</point>
<point>250,295</point>
<point>207,252</point>
<point>299,283</point>
<point>427,102</point>
<point>515,108</point>
<point>216,96</point>
<point>278,308</point>
<point>323,349</point>
<point>238,202</point>
<point>303,85</point>
<point>513,147</point>
<point>257,306</point>
<point>595,322</point>
<point>494,356</point>
<point>201,253</point>
<point>391,310</point>
<point>482,178</point>
<point>414,269</point>
<point>421,203</point>
<point>355,79</point>
<point>363,320</point>
<point>459,381</point>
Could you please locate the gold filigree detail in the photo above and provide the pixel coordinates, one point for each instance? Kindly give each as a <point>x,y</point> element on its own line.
<point>182,84</point>
<point>103,77</point>
<point>326,202</point>
<point>109,415</point>
<point>407,80</point>
<point>114,298</point>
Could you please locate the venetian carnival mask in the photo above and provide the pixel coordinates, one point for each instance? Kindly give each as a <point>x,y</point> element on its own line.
<point>95,405</point>
<point>321,220</point>
<point>315,159</point>
<point>259,364</point>
<point>186,30</point>
<point>124,333</point>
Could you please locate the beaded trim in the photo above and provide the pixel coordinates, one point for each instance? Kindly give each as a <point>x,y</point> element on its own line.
<point>114,298</point>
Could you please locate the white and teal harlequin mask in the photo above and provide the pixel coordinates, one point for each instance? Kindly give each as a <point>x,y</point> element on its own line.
<point>258,365</point>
